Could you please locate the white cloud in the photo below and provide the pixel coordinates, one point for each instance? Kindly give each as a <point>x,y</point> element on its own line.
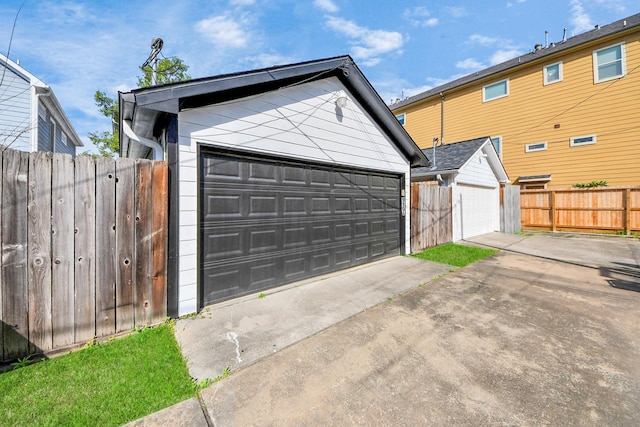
<point>326,6</point>
<point>420,16</point>
<point>504,55</point>
<point>483,40</point>
<point>368,44</point>
<point>224,31</point>
<point>579,18</point>
<point>265,60</point>
<point>470,65</point>
<point>456,12</point>
<point>241,2</point>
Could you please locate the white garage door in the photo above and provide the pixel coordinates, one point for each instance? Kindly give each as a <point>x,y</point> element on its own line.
<point>480,210</point>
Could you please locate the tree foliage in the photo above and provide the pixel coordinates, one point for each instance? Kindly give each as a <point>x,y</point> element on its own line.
<point>168,70</point>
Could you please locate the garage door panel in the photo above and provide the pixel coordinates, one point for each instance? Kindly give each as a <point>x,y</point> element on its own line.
<point>265,223</point>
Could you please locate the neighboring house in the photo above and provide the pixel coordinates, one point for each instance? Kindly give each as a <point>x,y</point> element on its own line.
<point>31,118</point>
<point>276,175</point>
<point>474,172</point>
<point>565,113</point>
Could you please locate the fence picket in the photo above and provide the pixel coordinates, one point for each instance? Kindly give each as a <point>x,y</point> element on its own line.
<point>159,233</point>
<point>39,244</point>
<point>143,239</point>
<point>15,310</point>
<point>85,248</point>
<point>125,244</point>
<point>62,289</point>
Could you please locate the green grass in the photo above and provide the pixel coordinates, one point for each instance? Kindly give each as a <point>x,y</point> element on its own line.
<point>454,254</point>
<point>106,384</point>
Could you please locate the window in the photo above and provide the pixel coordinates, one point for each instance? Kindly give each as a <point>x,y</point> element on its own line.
<point>64,138</point>
<point>52,135</point>
<point>583,140</point>
<point>497,143</point>
<point>495,90</point>
<point>538,146</point>
<point>609,63</point>
<point>401,118</point>
<point>553,73</point>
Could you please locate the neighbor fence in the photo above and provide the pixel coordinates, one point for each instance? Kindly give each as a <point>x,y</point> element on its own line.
<point>612,210</point>
<point>431,216</point>
<point>84,245</point>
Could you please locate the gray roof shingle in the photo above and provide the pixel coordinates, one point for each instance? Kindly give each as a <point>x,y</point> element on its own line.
<point>450,156</point>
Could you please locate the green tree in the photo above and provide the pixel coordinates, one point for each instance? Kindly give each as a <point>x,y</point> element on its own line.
<point>168,70</point>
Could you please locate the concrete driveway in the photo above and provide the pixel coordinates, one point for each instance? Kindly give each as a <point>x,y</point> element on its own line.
<point>512,340</point>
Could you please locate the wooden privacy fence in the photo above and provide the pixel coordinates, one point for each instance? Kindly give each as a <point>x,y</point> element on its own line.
<point>510,208</point>
<point>431,216</point>
<point>615,209</point>
<point>84,246</point>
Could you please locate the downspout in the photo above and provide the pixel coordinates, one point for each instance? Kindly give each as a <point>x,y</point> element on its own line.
<point>158,153</point>
<point>41,92</point>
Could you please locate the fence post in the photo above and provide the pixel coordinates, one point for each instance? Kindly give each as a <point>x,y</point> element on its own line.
<point>552,203</point>
<point>627,211</point>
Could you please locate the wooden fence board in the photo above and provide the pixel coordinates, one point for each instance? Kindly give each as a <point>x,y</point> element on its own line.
<point>159,233</point>
<point>125,246</point>
<point>83,241</point>
<point>510,209</point>
<point>62,236</point>
<point>105,246</point>
<point>595,210</point>
<point>15,310</point>
<point>143,237</point>
<point>39,244</point>
<point>85,249</point>
<point>431,218</point>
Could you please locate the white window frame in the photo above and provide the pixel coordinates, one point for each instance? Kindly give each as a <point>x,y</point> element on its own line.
<point>623,63</point>
<point>404,118</point>
<point>531,148</point>
<point>484,90</point>
<point>499,138</point>
<point>545,75</point>
<point>63,137</point>
<point>573,142</point>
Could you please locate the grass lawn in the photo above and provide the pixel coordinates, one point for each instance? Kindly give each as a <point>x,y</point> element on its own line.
<point>454,254</point>
<point>106,384</point>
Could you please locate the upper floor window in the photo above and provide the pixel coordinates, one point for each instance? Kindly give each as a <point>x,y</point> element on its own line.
<point>553,73</point>
<point>401,118</point>
<point>609,63</point>
<point>495,90</point>
<point>538,146</point>
<point>497,144</point>
<point>583,140</point>
<point>64,138</point>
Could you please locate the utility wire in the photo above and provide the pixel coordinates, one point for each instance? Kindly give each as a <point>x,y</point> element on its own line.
<point>15,20</point>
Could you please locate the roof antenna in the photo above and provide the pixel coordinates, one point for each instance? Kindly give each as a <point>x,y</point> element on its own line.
<point>435,141</point>
<point>156,47</point>
<point>564,35</point>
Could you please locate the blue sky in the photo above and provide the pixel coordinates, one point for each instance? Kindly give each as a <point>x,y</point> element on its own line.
<point>402,47</point>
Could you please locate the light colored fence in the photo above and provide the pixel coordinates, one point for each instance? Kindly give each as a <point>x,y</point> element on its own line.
<point>510,209</point>
<point>431,216</point>
<point>615,209</point>
<point>84,246</point>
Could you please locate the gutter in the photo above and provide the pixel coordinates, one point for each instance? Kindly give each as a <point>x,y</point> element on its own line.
<point>158,153</point>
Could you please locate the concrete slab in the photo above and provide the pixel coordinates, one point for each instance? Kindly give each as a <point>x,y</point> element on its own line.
<point>240,332</point>
<point>188,413</point>
<point>511,340</point>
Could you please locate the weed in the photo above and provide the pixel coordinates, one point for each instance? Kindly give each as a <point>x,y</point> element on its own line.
<point>262,296</point>
<point>21,363</point>
<point>91,343</point>
<point>390,299</point>
<point>200,385</point>
<point>225,373</point>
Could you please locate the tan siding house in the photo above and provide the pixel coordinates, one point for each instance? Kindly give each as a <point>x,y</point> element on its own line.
<point>563,114</point>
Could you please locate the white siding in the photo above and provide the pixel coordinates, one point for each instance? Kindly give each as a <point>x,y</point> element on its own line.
<point>477,171</point>
<point>300,122</point>
<point>15,111</point>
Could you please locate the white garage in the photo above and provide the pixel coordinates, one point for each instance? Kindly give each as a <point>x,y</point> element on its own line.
<point>474,172</point>
<point>276,175</point>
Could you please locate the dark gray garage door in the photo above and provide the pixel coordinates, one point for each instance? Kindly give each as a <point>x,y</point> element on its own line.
<point>264,222</point>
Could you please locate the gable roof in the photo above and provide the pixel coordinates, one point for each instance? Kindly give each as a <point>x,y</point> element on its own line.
<point>144,106</point>
<point>631,23</point>
<point>450,158</point>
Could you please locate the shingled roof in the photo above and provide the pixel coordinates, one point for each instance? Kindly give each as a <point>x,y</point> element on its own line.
<point>450,157</point>
<point>599,32</point>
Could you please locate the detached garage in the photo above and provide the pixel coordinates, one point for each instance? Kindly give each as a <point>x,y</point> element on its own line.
<point>276,175</point>
<point>474,172</point>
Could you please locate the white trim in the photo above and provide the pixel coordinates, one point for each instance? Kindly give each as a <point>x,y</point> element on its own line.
<point>623,63</point>
<point>63,137</point>
<point>544,73</point>
<point>531,148</point>
<point>572,141</point>
<point>484,89</point>
<point>404,118</point>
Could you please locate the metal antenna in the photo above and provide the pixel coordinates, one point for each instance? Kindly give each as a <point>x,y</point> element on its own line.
<point>156,47</point>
